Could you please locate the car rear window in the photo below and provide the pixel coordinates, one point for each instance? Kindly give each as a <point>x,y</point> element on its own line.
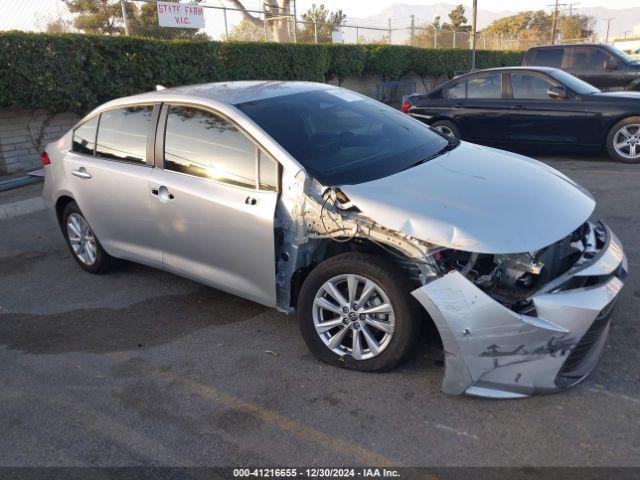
<point>341,137</point>
<point>550,57</point>
<point>122,133</point>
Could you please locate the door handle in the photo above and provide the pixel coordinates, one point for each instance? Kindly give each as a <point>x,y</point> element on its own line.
<point>81,173</point>
<point>162,193</point>
<point>251,200</point>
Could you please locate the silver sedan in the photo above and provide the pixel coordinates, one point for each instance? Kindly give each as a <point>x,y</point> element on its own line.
<point>313,199</point>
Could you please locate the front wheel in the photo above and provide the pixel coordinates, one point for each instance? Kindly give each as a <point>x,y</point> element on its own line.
<point>623,141</point>
<point>356,311</point>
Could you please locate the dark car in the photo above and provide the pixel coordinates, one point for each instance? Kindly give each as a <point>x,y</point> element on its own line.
<point>603,66</point>
<point>532,108</point>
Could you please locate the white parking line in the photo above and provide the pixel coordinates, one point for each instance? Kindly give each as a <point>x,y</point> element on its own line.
<point>620,396</point>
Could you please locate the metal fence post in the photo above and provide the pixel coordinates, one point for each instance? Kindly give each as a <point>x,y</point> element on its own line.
<point>295,22</point>
<point>226,27</point>
<point>435,38</point>
<point>389,29</point>
<point>125,19</point>
<point>264,24</point>
<point>454,38</point>
<point>357,35</point>
<point>315,30</point>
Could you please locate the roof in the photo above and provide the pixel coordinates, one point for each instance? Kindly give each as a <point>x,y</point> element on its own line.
<point>232,92</point>
<point>570,45</point>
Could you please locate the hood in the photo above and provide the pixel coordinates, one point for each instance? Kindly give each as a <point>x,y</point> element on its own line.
<point>477,199</point>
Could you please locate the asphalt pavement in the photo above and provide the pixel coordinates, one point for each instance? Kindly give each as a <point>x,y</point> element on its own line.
<point>141,367</point>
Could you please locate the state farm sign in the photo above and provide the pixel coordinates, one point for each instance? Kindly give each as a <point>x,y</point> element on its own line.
<point>181,15</point>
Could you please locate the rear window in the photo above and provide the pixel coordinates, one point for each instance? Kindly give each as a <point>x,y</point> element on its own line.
<point>550,57</point>
<point>122,134</point>
<point>344,138</point>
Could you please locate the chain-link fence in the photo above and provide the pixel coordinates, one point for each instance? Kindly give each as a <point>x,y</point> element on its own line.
<point>245,20</point>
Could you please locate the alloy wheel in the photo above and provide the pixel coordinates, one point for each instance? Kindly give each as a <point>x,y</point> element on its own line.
<point>626,141</point>
<point>82,239</point>
<point>445,130</point>
<point>354,316</point>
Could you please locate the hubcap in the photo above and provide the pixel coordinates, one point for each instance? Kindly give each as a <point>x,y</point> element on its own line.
<point>626,141</point>
<point>354,316</point>
<point>445,130</point>
<point>81,238</point>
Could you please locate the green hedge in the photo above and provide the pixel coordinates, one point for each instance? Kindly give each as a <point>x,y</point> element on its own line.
<point>70,72</point>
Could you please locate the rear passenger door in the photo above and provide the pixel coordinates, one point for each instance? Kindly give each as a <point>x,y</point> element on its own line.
<point>214,201</point>
<point>109,167</point>
<point>482,112</point>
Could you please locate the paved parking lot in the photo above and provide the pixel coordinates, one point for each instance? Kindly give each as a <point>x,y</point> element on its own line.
<point>141,367</point>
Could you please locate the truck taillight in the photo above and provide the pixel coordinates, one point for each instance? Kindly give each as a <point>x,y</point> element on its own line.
<point>44,158</point>
<point>405,107</point>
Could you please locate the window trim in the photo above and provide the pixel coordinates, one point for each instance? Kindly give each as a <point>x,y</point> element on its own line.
<point>160,138</point>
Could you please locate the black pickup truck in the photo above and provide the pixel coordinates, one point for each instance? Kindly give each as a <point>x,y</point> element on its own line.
<point>603,66</point>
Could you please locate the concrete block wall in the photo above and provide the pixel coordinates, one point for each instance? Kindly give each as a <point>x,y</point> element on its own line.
<point>24,133</point>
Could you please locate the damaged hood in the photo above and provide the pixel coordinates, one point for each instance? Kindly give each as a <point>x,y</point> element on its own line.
<point>477,199</point>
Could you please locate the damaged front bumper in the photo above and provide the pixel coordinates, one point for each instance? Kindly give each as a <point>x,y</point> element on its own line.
<point>492,351</point>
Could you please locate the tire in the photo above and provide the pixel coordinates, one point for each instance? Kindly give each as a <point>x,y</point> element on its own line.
<point>619,134</point>
<point>394,343</point>
<point>98,263</point>
<point>447,128</point>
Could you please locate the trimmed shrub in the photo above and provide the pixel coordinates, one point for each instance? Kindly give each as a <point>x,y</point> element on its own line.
<point>72,72</point>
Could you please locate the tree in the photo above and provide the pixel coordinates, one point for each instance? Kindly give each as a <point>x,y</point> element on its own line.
<point>278,17</point>
<point>531,26</point>
<point>246,31</point>
<point>575,27</point>
<point>458,20</point>
<point>102,17</point>
<point>319,23</point>
<point>58,25</point>
<point>425,37</point>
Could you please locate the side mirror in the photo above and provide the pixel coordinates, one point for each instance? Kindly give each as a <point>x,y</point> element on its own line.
<point>557,93</point>
<point>611,64</point>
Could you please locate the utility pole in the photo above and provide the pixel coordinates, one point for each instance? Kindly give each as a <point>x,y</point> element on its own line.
<point>474,17</point>
<point>123,5</point>
<point>554,25</point>
<point>413,26</point>
<point>608,27</point>
<point>295,22</point>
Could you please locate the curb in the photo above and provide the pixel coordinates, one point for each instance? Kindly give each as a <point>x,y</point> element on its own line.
<point>23,207</point>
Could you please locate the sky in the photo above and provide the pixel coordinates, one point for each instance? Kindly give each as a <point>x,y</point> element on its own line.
<point>363,8</point>
<point>34,14</point>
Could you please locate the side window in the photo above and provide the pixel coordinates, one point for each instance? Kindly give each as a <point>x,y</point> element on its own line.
<point>588,58</point>
<point>485,86</point>
<point>122,134</point>
<point>530,87</point>
<point>202,144</point>
<point>268,170</point>
<point>84,137</point>
<point>550,57</point>
<point>457,91</point>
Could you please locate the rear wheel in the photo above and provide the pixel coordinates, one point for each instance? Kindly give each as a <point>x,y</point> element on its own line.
<point>447,128</point>
<point>356,311</point>
<point>84,245</point>
<point>623,141</point>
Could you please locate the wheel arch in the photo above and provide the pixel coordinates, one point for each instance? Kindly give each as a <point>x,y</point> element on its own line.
<point>61,203</point>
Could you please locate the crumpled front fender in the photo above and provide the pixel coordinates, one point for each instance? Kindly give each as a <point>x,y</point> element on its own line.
<point>495,352</point>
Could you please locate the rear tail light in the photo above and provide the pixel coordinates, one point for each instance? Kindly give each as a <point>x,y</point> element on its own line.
<point>405,107</point>
<point>44,158</point>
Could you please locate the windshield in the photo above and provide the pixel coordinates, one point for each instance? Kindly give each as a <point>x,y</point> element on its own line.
<point>343,138</point>
<point>574,83</point>
<point>625,57</point>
